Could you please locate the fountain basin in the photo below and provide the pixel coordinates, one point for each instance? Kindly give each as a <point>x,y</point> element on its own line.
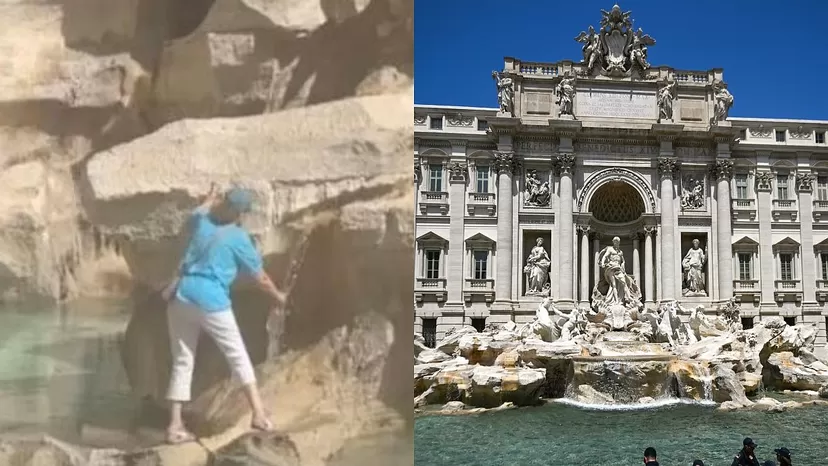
<point>620,379</point>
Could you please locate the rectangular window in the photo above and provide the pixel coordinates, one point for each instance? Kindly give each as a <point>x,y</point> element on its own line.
<point>741,186</point>
<point>786,267</point>
<point>744,265</point>
<point>430,332</point>
<point>481,265</point>
<point>435,177</point>
<point>819,137</point>
<point>482,125</point>
<point>436,122</point>
<point>790,321</point>
<point>747,323</point>
<point>823,259</point>
<point>742,134</point>
<point>822,188</point>
<point>782,187</point>
<point>432,258</point>
<point>479,323</point>
<point>482,179</point>
<point>780,136</point>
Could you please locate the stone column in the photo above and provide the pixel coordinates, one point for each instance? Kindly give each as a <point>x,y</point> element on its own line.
<point>417,177</point>
<point>723,169</point>
<point>505,163</point>
<point>648,265</point>
<point>667,167</point>
<point>636,259</point>
<point>583,230</point>
<point>596,249</point>
<point>767,266</point>
<point>566,163</point>
<point>455,276</point>
<point>804,184</point>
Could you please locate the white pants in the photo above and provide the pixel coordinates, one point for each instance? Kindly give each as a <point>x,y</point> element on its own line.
<point>185,323</point>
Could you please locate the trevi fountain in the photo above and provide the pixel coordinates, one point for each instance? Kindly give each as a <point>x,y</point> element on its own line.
<point>566,341</point>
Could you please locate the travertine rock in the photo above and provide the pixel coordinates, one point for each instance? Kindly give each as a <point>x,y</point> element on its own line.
<point>788,372</point>
<point>492,386</point>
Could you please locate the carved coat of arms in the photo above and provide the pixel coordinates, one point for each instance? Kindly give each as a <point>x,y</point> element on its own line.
<point>616,48</point>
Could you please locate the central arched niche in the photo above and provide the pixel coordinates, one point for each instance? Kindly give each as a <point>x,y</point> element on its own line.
<point>616,202</point>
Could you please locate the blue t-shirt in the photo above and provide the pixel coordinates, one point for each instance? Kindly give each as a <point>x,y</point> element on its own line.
<point>214,256</point>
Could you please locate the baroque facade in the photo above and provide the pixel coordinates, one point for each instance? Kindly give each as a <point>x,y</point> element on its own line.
<point>523,201</point>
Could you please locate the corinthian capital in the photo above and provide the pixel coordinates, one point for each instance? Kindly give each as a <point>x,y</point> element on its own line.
<point>805,182</point>
<point>667,167</point>
<point>722,169</point>
<point>565,163</point>
<point>506,162</point>
<point>764,180</point>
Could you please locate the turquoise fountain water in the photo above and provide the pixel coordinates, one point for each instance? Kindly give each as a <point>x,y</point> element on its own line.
<point>559,434</point>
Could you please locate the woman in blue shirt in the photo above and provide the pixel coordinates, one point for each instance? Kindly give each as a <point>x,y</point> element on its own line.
<point>219,248</point>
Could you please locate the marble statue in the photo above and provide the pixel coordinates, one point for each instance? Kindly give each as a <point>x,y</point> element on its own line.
<point>670,327</point>
<point>616,294</point>
<point>724,100</point>
<point>555,327</point>
<point>637,48</point>
<point>505,92</point>
<point>591,49</point>
<point>731,312</point>
<point>537,270</point>
<point>566,95</point>
<point>692,196</point>
<point>666,95</point>
<point>537,193</point>
<point>693,265</point>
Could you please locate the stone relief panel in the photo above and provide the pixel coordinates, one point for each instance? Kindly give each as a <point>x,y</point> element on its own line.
<point>539,103</point>
<point>419,120</point>
<point>536,188</point>
<point>459,120</point>
<point>801,133</point>
<point>760,132</point>
<point>692,110</point>
<point>693,192</point>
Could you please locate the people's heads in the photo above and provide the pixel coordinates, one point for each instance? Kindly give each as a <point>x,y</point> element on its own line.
<point>616,241</point>
<point>650,454</point>
<point>698,463</point>
<point>749,445</point>
<point>236,203</point>
<point>696,243</point>
<point>783,455</point>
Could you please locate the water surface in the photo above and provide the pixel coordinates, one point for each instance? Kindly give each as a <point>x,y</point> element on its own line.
<point>559,434</point>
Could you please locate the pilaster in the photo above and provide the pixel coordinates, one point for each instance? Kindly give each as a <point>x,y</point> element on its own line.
<point>458,179</point>
<point>767,266</point>
<point>804,185</point>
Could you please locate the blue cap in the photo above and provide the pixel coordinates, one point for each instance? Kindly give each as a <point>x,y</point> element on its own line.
<point>241,200</point>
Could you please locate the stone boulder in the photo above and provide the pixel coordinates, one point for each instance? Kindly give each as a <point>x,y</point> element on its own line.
<point>450,343</point>
<point>727,387</point>
<point>484,348</point>
<point>625,380</point>
<point>423,373</point>
<point>259,449</point>
<point>430,356</point>
<point>788,372</point>
<point>492,386</point>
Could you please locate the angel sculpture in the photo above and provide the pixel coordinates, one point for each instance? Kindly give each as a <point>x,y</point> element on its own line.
<point>637,49</point>
<point>591,48</point>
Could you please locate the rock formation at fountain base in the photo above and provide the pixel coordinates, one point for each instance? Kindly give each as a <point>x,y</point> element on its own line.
<point>709,359</point>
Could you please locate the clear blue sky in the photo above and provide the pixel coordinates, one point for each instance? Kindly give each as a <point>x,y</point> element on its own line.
<point>457,44</point>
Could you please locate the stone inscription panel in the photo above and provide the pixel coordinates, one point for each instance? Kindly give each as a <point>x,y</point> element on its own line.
<point>596,102</point>
<point>539,103</point>
<point>528,145</point>
<point>618,149</point>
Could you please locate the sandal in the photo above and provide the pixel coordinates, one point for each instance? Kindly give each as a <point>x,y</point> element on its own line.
<point>179,436</point>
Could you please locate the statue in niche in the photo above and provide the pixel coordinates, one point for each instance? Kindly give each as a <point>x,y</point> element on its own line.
<point>505,92</point>
<point>724,100</point>
<point>536,193</point>
<point>693,265</point>
<point>692,197</point>
<point>666,95</point>
<point>537,270</point>
<point>566,94</point>
<point>616,296</point>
